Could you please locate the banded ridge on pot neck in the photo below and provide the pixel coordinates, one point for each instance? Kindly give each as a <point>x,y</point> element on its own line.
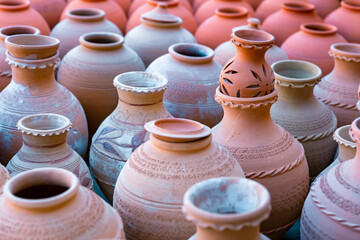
<point>353,5</point>
<point>192,53</point>
<point>232,12</point>
<point>318,28</point>
<point>14,5</point>
<point>300,7</point>
<point>160,17</point>
<point>17,29</point>
<point>101,41</point>
<point>86,15</point>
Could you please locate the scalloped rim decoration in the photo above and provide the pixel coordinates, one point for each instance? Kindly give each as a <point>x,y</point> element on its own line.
<point>337,138</point>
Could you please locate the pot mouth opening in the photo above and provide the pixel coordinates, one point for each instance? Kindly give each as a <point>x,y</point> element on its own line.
<point>348,50</point>
<point>343,133</point>
<point>14,4</point>
<point>298,6</point>
<point>253,37</point>
<point>86,14</point>
<point>41,191</point>
<point>232,12</point>
<point>191,52</point>
<point>44,123</point>
<point>296,71</point>
<point>318,28</point>
<point>140,81</point>
<point>101,40</point>
<point>19,29</point>
<point>351,4</point>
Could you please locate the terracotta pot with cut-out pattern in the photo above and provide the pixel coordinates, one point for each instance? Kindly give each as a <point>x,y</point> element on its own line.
<point>50,10</point>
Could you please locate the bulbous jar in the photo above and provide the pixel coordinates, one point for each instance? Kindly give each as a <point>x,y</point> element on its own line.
<point>268,7</point>
<point>159,29</point>
<point>79,22</point>
<point>331,208</point>
<point>19,12</point>
<point>150,189</point>
<point>88,71</point>
<point>324,8</point>
<point>192,75</point>
<point>33,89</point>
<point>44,145</point>
<point>338,90</point>
<point>4,177</point>
<point>218,28</point>
<point>140,101</point>
<point>5,69</point>
<point>138,3</point>
<point>227,208</point>
<point>287,21</point>
<point>49,203</point>
<point>298,111</point>
<point>50,10</point>
<point>347,19</point>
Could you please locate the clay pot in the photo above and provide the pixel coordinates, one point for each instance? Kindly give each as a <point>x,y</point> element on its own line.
<point>79,22</point>
<point>208,9</point>
<point>50,10</point>
<point>323,8</point>
<point>331,208</point>
<point>227,208</point>
<point>19,12</point>
<point>347,19</point>
<point>138,3</point>
<point>159,30</point>
<point>218,28</point>
<point>338,90</point>
<point>88,72</point>
<point>4,177</point>
<point>140,101</point>
<point>124,4</point>
<point>268,7</point>
<point>52,200</point>
<point>150,189</point>
<point>44,145</point>
<point>113,12</point>
<point>288,20</point>
<point>300,113</point>
<point>5,69</point>
<point>33,89</point>
<point>193,77</point>
<point>254,3</point>
<point>173,7</point>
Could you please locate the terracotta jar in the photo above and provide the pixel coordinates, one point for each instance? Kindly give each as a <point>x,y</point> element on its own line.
<point>150,189</point>
<point>140,101</point>
<point>193,77</point>
<point>5,69</point>
<point>299,112</point>
<point>88,72</point>
<point>113,11</point>
<point>227,208</point>
<point>44,145</point>
<point>19,12</point>
<point>79,22</point>
<point>173,7</point>
<point>338,90</point>
<point>33,89</point>
<point>323,8</point>
<point>268,153</point>
<point>218,28</point>
<point>331,208</point>
<point>268,7</point>
<point>124,4</point>
<point>347,20</point>
<point>50,10</point>
<point>226,50</point>
<point>288,20</point>
<point>138,3</point>
<point>159,29</point>
<point>4,177</point>
<point>49,203</point>
<point>208,9</point>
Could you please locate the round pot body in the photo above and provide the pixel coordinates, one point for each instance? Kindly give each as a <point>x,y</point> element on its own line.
<point>88,72</point>
<point>4,177</point>
<point>268,7</point>
<point>138,3</point>
<point>193,77</point>
<point>52,200</point>
<point>150,189</point>
<point>124,4</point>
<point>50,10</point>
<point>324,8</point>
<point>121,133</point>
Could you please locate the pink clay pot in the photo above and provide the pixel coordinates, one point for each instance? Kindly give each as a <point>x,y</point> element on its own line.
<point>50,10</point>
<point>323,8</point>
<point>268,7</point>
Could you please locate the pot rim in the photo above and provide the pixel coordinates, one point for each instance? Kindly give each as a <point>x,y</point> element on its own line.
<point>85,14</point>
<point>14,5</point>
<point>101,40</point>
<point>191,53</point>
<point>351,4</point>
<point>294,6</point>
<point>232,12</point>
<point>346,51</point>
<point>318,28</point>
<point>23,29</point>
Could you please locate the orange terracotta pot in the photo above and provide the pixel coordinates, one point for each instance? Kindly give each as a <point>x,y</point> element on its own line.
<point>79,22</point>
<point>197,4</point>
<point>193,78</point>
<point>4,177</point>
<point>124,4</point>
<point>159,30</point>
<point>268,7</point>
<point>50,10</point>
<point>33,89</point>
<point>218,28</point>
<point>138,3</point>
<point>113,12</point>
<point>173,7</point>
<point>288,20</point>
<point>19,12</point>
<point>312,43</point>
<point>347,19</point>
<point>52,200</point>
<point>88,72</point>
<point>150,189</point>
<point>323,8</point>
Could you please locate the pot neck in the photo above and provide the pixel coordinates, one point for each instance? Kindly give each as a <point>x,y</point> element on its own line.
<point>352,5</point>
<point>160,17</point>
<point>232,12</point>
<point>295,93</point>
<point>44,144</point>
<point>195,145</point>
<point>14,5</point>
<point>298,8</point>
<point>102,41</point>
<point>86,15</point>
<point>318,29</point>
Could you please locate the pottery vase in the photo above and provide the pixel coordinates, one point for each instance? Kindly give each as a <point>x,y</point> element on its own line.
<point>33,89</point>
<point>138,3</point>
<point>150,189</point>
<point>347,19</point>
<point>331,208</point>
<point>193,77</point>
<point>19,12</point>
<point>299,112</point>
<point>227,208</point>
<point>338,90</point>
<point>88,72</point>
<point>268,153</point>
<point>50,10</point>
<point>79,22</point>
<point>44,145</point>
<point>4,177</point>
<point>323,8</point>
<point>159,30</point>
<point>5,69</point>
<point>49,203</point>
<point>140,101</point>
<point>268,7</point>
